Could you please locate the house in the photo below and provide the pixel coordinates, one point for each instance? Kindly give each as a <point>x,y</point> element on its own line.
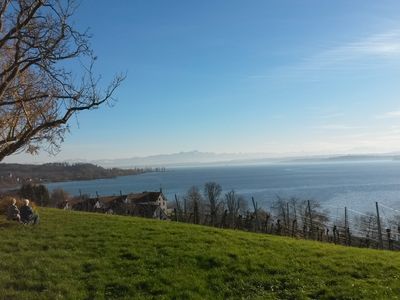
<point>145,204</point>
<point>83,204</point>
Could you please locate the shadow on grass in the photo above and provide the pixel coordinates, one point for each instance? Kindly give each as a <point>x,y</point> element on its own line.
<point>8,224</point>
<point>115,291</point>
<point>129,256</point>
<point>206,262</point>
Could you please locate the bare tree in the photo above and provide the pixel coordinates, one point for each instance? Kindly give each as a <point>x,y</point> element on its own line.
<point>288,211</point>
<point>195,201</point>
<point>212,192</point>
<point>280,208</point>
<point>366,225</point>
<point>38,92</point>
<point>234,204</point>
<point>179,216</point>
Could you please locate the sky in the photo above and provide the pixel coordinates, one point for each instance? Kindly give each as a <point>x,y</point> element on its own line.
<point>227,76</point>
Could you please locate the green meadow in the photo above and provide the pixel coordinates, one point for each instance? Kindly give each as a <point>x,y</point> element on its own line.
<point>75,255</point>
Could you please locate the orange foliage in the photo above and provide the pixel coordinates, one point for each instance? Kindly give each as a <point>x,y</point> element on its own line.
<point>6,201</point>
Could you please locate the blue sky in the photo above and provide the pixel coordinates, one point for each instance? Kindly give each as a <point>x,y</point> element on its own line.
<point>278,77</point>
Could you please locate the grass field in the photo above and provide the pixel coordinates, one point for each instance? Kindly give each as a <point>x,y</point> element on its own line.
<point>73,255</point>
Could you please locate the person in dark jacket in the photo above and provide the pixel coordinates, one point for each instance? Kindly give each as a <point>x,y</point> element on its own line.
<point>27,214</point>
<point>13,212</point>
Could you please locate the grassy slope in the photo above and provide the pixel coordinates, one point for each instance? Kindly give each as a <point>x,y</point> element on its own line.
<point>91,256</point>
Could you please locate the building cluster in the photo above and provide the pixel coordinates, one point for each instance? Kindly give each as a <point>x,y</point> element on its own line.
<point>145,204</point>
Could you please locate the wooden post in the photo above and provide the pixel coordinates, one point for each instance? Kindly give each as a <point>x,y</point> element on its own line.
<point>196,212</point>
<point>224,217</point>
<point>346,236</point>
<point>178,209</point>
<point>295,217</point>
<point>255,205</point>
<point>288,218</point>
<point>294,223</point>
<point>278,227</point>
<point>185,209</point>
<point>266,223</point>
<point>389,238</point>
<point>334,234</point>
<point>379,227</point>
<point>310,216</point>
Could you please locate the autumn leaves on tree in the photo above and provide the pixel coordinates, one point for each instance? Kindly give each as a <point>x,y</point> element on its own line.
<point>38,93</point>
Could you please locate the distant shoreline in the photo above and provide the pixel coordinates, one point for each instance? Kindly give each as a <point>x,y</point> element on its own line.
<point>15,188</point>
<point>13,176</point>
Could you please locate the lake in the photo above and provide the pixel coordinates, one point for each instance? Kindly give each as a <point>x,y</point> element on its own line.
<point>355,185</point>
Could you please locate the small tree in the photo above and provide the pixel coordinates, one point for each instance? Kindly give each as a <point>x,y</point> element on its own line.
<point>36,193</point>
<point>58,197</point>
<point>27,191</point>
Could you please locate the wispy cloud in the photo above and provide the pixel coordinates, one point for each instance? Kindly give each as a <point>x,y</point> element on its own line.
<point>366,53</point>
<point>389,115</point>
<point>384,44</point>
<point>331,115</point>
<point>337,127</point>
<point>382,47</point>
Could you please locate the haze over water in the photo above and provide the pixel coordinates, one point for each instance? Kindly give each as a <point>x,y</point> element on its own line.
<point>355,185</point>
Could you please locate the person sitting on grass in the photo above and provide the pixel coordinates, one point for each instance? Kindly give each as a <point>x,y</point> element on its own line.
<point>13,213</point>
<point>27,214</point>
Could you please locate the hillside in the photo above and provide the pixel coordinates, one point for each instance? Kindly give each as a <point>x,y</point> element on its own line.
<point>73,255</point>
<point>14,174</point>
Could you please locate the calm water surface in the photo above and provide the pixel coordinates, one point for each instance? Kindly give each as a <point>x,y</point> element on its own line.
<point>356,185</point>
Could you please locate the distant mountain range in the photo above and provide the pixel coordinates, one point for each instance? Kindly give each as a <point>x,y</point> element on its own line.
<point>191,158</point>
<point>346,158</point>
<point>197,158</point>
